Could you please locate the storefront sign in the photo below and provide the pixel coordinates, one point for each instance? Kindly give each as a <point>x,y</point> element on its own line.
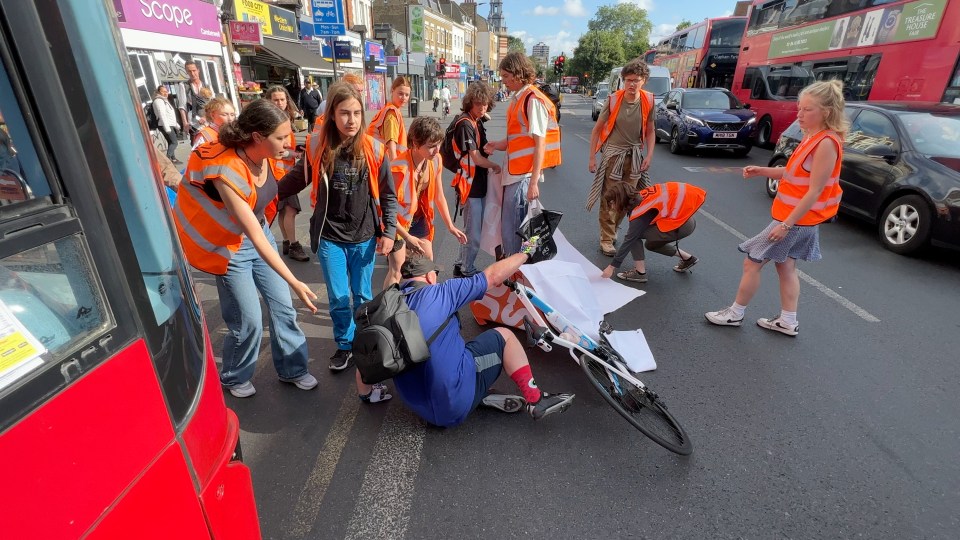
<point>328,17</point>
<point>254,11</point>
<point>245,50</point>
<point>453,72</point>
<point>375,50</point>
<point>245,33</point>
<point>416,29</point>
<point>343,51</point>
<point>283,22</point>
<point>184,18</point>
<point>393,60</point>
<point>916,20</point>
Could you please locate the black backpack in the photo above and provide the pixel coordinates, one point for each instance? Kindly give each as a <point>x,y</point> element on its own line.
<point>152,121</point>
<point>451,161</point>
<point>388,339</point>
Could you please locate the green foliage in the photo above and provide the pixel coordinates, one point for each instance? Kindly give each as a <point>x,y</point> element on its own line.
<point>683,24</point>
<point>515,44</point>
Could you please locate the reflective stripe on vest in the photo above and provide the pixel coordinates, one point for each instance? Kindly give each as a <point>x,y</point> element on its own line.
<point>616,100</point>
<point>675,203</point>
<point>208,133</point>
<point>374,153</point>
<point>375,129</point>
<point>463,180</point>
<point>408,204</point>
<point>520,144</point>
<point>796,182</point>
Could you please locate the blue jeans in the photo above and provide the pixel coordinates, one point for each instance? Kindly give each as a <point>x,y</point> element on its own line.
<point>246,274</point>
<point>473,222</point>
<point>512,214</point>
<point>348,271</point>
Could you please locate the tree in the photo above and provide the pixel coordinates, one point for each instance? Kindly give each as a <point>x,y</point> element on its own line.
<point>627,20</point>
<point>515,44</point>
<point>597,52</point>
<point>683,24</point>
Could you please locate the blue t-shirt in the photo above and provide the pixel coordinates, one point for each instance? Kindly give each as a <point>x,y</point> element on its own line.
<point>441,390</point>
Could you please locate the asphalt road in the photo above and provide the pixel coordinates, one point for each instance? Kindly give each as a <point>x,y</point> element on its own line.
<point>850,429</point>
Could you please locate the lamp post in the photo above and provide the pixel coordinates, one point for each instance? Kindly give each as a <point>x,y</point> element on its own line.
<point>476,6</point>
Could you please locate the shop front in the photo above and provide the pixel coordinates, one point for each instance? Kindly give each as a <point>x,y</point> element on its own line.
<point>378,91</point>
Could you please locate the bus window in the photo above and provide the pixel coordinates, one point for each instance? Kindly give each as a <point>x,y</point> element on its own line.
<point>766,17</point>
<point>759,90</point>
<point>727,33</point>
<point>699,35</point>
<point>748,76</point>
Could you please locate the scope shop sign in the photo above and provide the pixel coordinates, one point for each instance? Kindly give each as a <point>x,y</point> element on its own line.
<point>185,18</point>
<point>907,22</point>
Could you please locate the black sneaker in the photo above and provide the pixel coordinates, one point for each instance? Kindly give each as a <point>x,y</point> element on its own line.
<point>340,360</point>
<point>297,253</point>
<point>286,247</point>
<point>549,404</point>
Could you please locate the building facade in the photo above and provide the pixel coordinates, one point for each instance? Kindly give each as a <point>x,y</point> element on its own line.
<point>541,53</point>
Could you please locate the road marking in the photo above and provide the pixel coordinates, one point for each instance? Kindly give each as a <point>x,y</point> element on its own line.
<point>383,507</point>
<point>714,169</point>
<point>830,293</point>
<point>582,137</point>
<point>305,513</point>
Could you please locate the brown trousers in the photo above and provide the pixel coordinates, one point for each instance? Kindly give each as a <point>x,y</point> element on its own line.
<point>609,218</point>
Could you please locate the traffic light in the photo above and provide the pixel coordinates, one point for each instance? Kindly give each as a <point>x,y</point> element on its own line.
<point>560,61</point>
<point>442,66</point>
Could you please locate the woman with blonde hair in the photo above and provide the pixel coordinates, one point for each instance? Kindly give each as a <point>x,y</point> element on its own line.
<point>218,111</point>
<point>808,194</point>
<point>387,126</point>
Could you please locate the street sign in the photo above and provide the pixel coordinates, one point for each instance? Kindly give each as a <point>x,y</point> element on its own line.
<point>328,17</point>
<point>342,51</point>
<point>393,60</point>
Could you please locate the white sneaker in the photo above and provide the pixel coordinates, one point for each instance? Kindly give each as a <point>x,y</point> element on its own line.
<point>777,325</point>
<point>377,394</point>
<point>503,402</point>
<point>724,317</point>
<point>303,382</point>
<point>242,390</point>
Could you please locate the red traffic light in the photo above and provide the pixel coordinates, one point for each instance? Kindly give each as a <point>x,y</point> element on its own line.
<point>561,59</point>
<point>443,60</point>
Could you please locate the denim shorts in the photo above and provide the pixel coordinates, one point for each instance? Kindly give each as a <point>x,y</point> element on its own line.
<point>487,351</point>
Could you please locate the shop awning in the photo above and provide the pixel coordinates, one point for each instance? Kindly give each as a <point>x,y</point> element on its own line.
<point>291,55</point>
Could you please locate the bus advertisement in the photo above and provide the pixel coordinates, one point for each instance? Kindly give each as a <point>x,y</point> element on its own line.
<point>113,423</point>
<point>703,55</point>
<point>900,50</point>
<point>570,82</point>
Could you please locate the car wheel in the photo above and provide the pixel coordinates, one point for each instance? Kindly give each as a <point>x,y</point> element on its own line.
<point>905,224</point>
<point>675,146</point>
<point>594,115</point>
<point>764,131</point>
<point>772,183</point>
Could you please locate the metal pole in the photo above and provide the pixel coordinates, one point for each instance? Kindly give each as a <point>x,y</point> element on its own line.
<point>406,16</point>
<point>333,56</point>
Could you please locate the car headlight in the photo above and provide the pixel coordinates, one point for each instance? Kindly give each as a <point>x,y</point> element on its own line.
<point>693,120</point>
<point>752,121</point>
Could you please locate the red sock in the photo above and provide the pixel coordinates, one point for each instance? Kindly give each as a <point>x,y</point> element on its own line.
<point>523,377</point>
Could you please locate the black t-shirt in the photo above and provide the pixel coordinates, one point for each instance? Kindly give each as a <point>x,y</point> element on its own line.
<point>350,213</point>
<point>466,137</point>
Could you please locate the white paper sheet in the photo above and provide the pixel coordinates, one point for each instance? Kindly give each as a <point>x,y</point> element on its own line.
<point>574,287</point>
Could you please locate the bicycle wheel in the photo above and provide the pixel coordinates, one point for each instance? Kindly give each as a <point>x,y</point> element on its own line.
<point>642,408</point>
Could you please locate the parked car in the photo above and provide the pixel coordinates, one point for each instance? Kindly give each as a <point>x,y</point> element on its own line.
<point>901,171</point>
<point>699,118</point>
<point>598,100</point>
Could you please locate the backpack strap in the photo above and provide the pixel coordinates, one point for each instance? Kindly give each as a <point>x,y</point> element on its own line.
<point>414,286</point>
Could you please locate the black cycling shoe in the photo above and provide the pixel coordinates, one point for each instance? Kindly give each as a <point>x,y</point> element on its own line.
<point>549,404</point>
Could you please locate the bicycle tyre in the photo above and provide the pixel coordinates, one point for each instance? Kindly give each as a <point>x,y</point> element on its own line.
<point>648,414</point>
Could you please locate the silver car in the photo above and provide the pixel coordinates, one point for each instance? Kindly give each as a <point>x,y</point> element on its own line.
<point>598,101</point>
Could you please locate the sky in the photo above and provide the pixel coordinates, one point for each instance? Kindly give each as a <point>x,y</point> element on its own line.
<point>559,23</point>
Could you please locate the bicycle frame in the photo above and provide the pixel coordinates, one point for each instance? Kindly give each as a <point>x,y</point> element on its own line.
<point>583,343</point>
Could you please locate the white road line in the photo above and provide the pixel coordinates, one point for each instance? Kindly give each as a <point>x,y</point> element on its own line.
<point>579,136</point>
<point>830,293</point>
<point>383,507</point>
<point>304,516</point>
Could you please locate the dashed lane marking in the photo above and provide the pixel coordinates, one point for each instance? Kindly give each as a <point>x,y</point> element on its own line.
<point>712,169</point>
<point>830,293</point>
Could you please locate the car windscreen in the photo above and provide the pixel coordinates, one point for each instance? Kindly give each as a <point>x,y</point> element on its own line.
<point>933,134</point>
<point>658,86</point>
<point>708,100</point>
<point>602,94</point>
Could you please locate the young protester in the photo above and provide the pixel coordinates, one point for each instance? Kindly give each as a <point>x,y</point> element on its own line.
<point>416,175</point>
<point>808,195</point>
<point>217,111</point>
<point>354,216</point>
<point>289,207</point>
<point>387,126</point>
<point>625,136</point>
<point>470,182</point>
<point>662,214</point>
<point>223,219</point>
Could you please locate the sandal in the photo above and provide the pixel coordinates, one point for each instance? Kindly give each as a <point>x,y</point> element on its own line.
<point>633,275</point>
<point>686,264</point>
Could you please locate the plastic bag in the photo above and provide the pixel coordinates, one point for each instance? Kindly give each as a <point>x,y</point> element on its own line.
<point>543,223</point>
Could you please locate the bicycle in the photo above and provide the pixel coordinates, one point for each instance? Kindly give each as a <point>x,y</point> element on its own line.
<point>446,109</point>
<point>606,370</point>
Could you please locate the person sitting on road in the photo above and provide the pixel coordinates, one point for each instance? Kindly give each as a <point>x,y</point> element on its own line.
<point>670,207</point>
<point>457,377</point>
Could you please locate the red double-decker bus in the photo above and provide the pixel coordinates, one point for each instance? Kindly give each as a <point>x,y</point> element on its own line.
<point>903,50</point>
<point>112,420</point>
<point>703,55</point>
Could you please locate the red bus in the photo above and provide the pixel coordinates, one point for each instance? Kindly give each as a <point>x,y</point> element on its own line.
<point>112,420</point>
<point>902,50</point>
<point>703,55</point>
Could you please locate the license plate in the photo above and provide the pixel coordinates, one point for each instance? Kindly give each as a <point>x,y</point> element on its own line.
<point>724,135</point>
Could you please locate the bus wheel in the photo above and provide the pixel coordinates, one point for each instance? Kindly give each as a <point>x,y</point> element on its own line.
<point>764,130</point>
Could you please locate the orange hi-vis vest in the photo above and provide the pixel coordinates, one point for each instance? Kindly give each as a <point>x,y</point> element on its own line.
<point>796,181</point>
<point>373,152</point>
<point>207,231</point>
<point>520,144</point>
<point>616,100</point>
<point>287,163</point>
<point>463,180</point>
<point>675,203</point>
<point>208,133</point>
<point>375,129</point>
<point>409,202</point>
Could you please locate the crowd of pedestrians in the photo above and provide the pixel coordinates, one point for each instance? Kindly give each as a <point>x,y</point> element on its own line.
<point>376,191</point>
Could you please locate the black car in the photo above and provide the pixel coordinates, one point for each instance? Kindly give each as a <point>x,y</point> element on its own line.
<point>901,170</point>
<point>700,118</point>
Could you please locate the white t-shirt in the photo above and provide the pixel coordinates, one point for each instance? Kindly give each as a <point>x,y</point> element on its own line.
<point>537,119</point>
<point>445,94</point>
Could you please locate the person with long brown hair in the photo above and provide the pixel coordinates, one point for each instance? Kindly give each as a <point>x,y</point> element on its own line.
<point>387,126</point>
<point>289,207</point>
<point>222,215</point>
<point>354,218</point>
